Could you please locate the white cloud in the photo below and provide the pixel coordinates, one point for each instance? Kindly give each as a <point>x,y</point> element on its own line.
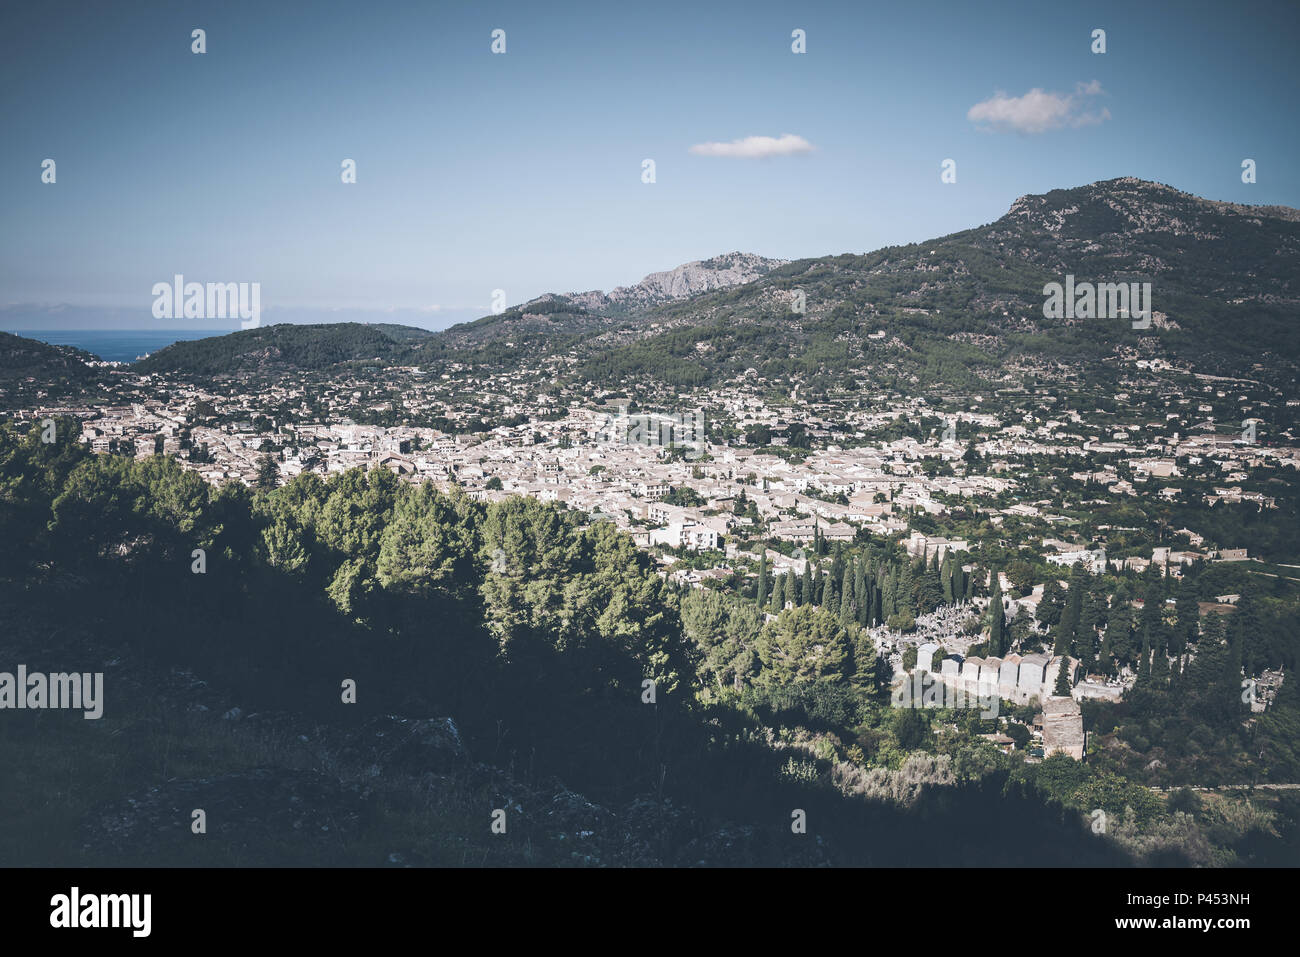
<point>1038,111</point>
<point>752,147</point>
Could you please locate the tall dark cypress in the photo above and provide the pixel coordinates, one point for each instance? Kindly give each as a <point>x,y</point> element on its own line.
<point>861,594</point>
<point>848,608</point>
<point>998,628</point>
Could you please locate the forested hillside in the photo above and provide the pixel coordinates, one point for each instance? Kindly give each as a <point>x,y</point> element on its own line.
<point>287,347</point>
<point>692,729</point>
<point>959,312</point>
<point>31,369</point>
<point>965,311</point>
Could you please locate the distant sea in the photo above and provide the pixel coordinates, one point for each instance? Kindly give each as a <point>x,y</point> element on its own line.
<point>117,345</point>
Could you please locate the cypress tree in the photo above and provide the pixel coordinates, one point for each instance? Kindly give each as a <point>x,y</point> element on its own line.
<point>998,625</point>
<point>862,594</point>
<point>1187,615</point>
<point>829,599</point>
<point>1160,667</point>
<point>1105,658</point>
<point>1063,678</point>
<point>905,590</point>
<point>1153,598</point>
<point>837,570</point>
<point>848,606</point>
<point>1067,630</point>
<point>887,599</point>
<point>1245,630</point>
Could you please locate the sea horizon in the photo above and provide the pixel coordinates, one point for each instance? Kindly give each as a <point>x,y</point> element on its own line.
<point>116,345</point>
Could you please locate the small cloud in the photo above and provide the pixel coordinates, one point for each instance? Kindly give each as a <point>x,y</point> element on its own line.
<point>752,147</point>
<point>1038,111</point>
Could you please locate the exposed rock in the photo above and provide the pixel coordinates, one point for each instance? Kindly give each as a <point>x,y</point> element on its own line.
<point>720,272</point>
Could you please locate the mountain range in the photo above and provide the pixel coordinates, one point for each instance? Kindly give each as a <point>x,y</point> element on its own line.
<point>960,311</point>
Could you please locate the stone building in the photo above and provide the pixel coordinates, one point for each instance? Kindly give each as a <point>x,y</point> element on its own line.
<point>1029,682</point>
<point>1062,727</point>
<point>1008,674</point>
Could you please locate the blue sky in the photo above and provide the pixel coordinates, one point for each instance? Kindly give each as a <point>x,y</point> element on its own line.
<point>522,171</point>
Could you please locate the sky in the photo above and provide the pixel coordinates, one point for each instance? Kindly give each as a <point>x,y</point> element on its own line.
<point>523,171</point>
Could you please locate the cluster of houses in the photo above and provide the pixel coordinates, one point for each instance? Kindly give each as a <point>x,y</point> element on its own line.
<point>1170,561</point>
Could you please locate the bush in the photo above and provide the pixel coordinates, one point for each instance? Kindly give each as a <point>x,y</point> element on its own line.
<point>1184,800</point>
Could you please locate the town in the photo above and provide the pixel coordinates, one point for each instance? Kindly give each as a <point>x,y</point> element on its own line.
<point>727,487</point>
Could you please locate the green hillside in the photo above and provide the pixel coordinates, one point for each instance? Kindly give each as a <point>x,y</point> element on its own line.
<point>290,347</point>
